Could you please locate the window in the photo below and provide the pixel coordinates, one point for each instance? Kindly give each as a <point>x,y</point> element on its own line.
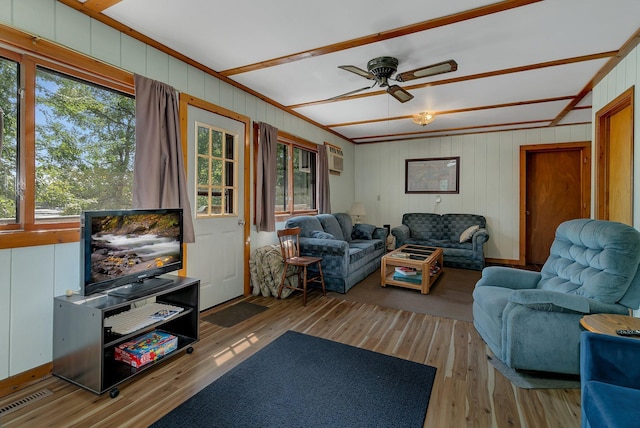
<point>295,178</point>
<point>67,145</point>
<point>85,142</point>
<point>216,178</point>
<point>9,78</point>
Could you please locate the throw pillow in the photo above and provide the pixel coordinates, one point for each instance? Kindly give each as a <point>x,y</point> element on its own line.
<point>363,231</point>
<point>467,234</point>
<point>319,234</point>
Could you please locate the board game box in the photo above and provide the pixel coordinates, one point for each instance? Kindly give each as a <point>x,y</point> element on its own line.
<point>145,349</point>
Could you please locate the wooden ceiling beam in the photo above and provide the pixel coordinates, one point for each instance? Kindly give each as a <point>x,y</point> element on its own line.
<point>98,6</point>
<point>419,135</point>
<point>606,69</point>
<point>455,111</point>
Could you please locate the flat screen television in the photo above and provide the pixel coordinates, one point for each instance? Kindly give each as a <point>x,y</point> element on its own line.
<point>123,251</point>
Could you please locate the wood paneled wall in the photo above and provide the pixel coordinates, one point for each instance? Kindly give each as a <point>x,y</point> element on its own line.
<point>489,179</point>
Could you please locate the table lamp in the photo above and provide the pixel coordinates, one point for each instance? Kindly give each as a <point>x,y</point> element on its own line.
<point>357,210</point>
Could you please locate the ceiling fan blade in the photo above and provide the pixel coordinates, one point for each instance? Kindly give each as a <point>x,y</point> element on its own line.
<point>430,70</point>
<point>358,71</point>
<point>399,94</point>
<point>350,93</point>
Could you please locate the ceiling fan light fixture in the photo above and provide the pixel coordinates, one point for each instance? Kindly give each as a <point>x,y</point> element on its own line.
<point>423,118</point>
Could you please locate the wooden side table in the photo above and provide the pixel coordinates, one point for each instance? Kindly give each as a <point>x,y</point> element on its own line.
<point>609,323</point>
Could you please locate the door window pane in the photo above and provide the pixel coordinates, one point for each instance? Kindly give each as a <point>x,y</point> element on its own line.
<point>216,171</point>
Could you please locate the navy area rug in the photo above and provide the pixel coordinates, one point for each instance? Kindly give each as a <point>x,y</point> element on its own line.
<point>305,381</point>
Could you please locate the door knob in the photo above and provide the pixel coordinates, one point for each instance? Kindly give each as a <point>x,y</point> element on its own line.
<point>241,222</point>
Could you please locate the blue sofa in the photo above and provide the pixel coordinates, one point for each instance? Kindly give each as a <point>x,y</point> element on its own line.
<point>609,380</point>
<point>349,253</point>
<point>444,231</point>
<point>531,320</point>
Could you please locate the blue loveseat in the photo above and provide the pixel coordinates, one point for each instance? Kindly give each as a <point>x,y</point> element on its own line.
<point>445,231</point>
<point>349,253</point>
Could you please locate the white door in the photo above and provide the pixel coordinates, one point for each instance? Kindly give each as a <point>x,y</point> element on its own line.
<point>216,258</point>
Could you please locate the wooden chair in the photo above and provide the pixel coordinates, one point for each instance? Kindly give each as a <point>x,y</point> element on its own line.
<point>290,249</point>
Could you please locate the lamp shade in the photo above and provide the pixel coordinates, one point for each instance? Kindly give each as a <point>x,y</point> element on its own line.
<point>357,210</point>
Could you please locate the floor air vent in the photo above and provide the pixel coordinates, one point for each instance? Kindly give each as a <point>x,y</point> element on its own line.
<point>18,404</point>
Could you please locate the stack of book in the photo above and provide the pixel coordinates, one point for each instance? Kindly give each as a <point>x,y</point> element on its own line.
<point>407,274</point>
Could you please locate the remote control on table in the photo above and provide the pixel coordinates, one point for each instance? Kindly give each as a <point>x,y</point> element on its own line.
<point>628,332</point>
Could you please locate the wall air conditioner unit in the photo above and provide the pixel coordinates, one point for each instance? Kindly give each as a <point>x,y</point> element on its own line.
<point>335,158</point>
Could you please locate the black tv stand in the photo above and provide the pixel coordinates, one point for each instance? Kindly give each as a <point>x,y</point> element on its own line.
<point>141,288</point>
<point>84,348</point>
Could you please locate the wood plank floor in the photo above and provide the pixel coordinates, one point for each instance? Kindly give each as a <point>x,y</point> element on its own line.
<point>468,391</point>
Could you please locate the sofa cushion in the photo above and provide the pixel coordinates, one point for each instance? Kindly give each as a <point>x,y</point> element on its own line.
<point>346,225</point>
<point>363,231</point>
<point>367,244</point>
<point>331,225</point>
<point>306,223</point>
<point>423,225</point>
<point>319,234</point>
<point>603,404</point>
<point>468,233</point>
<point>454,224</point>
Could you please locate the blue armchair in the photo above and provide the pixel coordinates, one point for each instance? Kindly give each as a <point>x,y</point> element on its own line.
<point>610,380</point>
<point>531,320</point>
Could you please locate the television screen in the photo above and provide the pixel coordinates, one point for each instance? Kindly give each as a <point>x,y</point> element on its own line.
<point>129,247</point>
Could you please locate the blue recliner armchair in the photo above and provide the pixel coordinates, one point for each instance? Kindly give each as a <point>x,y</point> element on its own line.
<point>610,380</point>
<point>531,320</point>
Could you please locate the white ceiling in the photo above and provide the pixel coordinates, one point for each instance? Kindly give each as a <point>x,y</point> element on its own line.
<point>520,66</point>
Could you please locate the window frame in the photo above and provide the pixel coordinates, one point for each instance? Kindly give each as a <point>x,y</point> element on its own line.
<point>291,141</point>
<point>30,53</point>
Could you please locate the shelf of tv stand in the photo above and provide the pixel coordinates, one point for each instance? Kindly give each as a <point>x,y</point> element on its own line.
<point>83,349</point>
<point>115,339</point>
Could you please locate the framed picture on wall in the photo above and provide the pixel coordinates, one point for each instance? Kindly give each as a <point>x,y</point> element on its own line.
<point>432,175</point>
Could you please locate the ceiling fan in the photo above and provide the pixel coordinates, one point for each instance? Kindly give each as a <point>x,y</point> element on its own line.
<point>381,70</point>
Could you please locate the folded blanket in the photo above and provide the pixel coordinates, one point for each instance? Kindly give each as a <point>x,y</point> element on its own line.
<point>266,267</point>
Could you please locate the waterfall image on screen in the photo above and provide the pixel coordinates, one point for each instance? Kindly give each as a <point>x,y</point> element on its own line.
<point>131,244</point>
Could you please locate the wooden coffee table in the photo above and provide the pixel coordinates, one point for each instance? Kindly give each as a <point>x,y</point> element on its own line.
<point>419,257</point>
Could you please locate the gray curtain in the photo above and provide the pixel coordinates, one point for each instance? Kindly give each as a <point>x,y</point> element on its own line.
<point>159,179</point>
<point>324,194</point>
<point>266,178</point>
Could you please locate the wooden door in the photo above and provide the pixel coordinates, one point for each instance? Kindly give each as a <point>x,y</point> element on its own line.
<point>614,169</point>
<point>556,188</point>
